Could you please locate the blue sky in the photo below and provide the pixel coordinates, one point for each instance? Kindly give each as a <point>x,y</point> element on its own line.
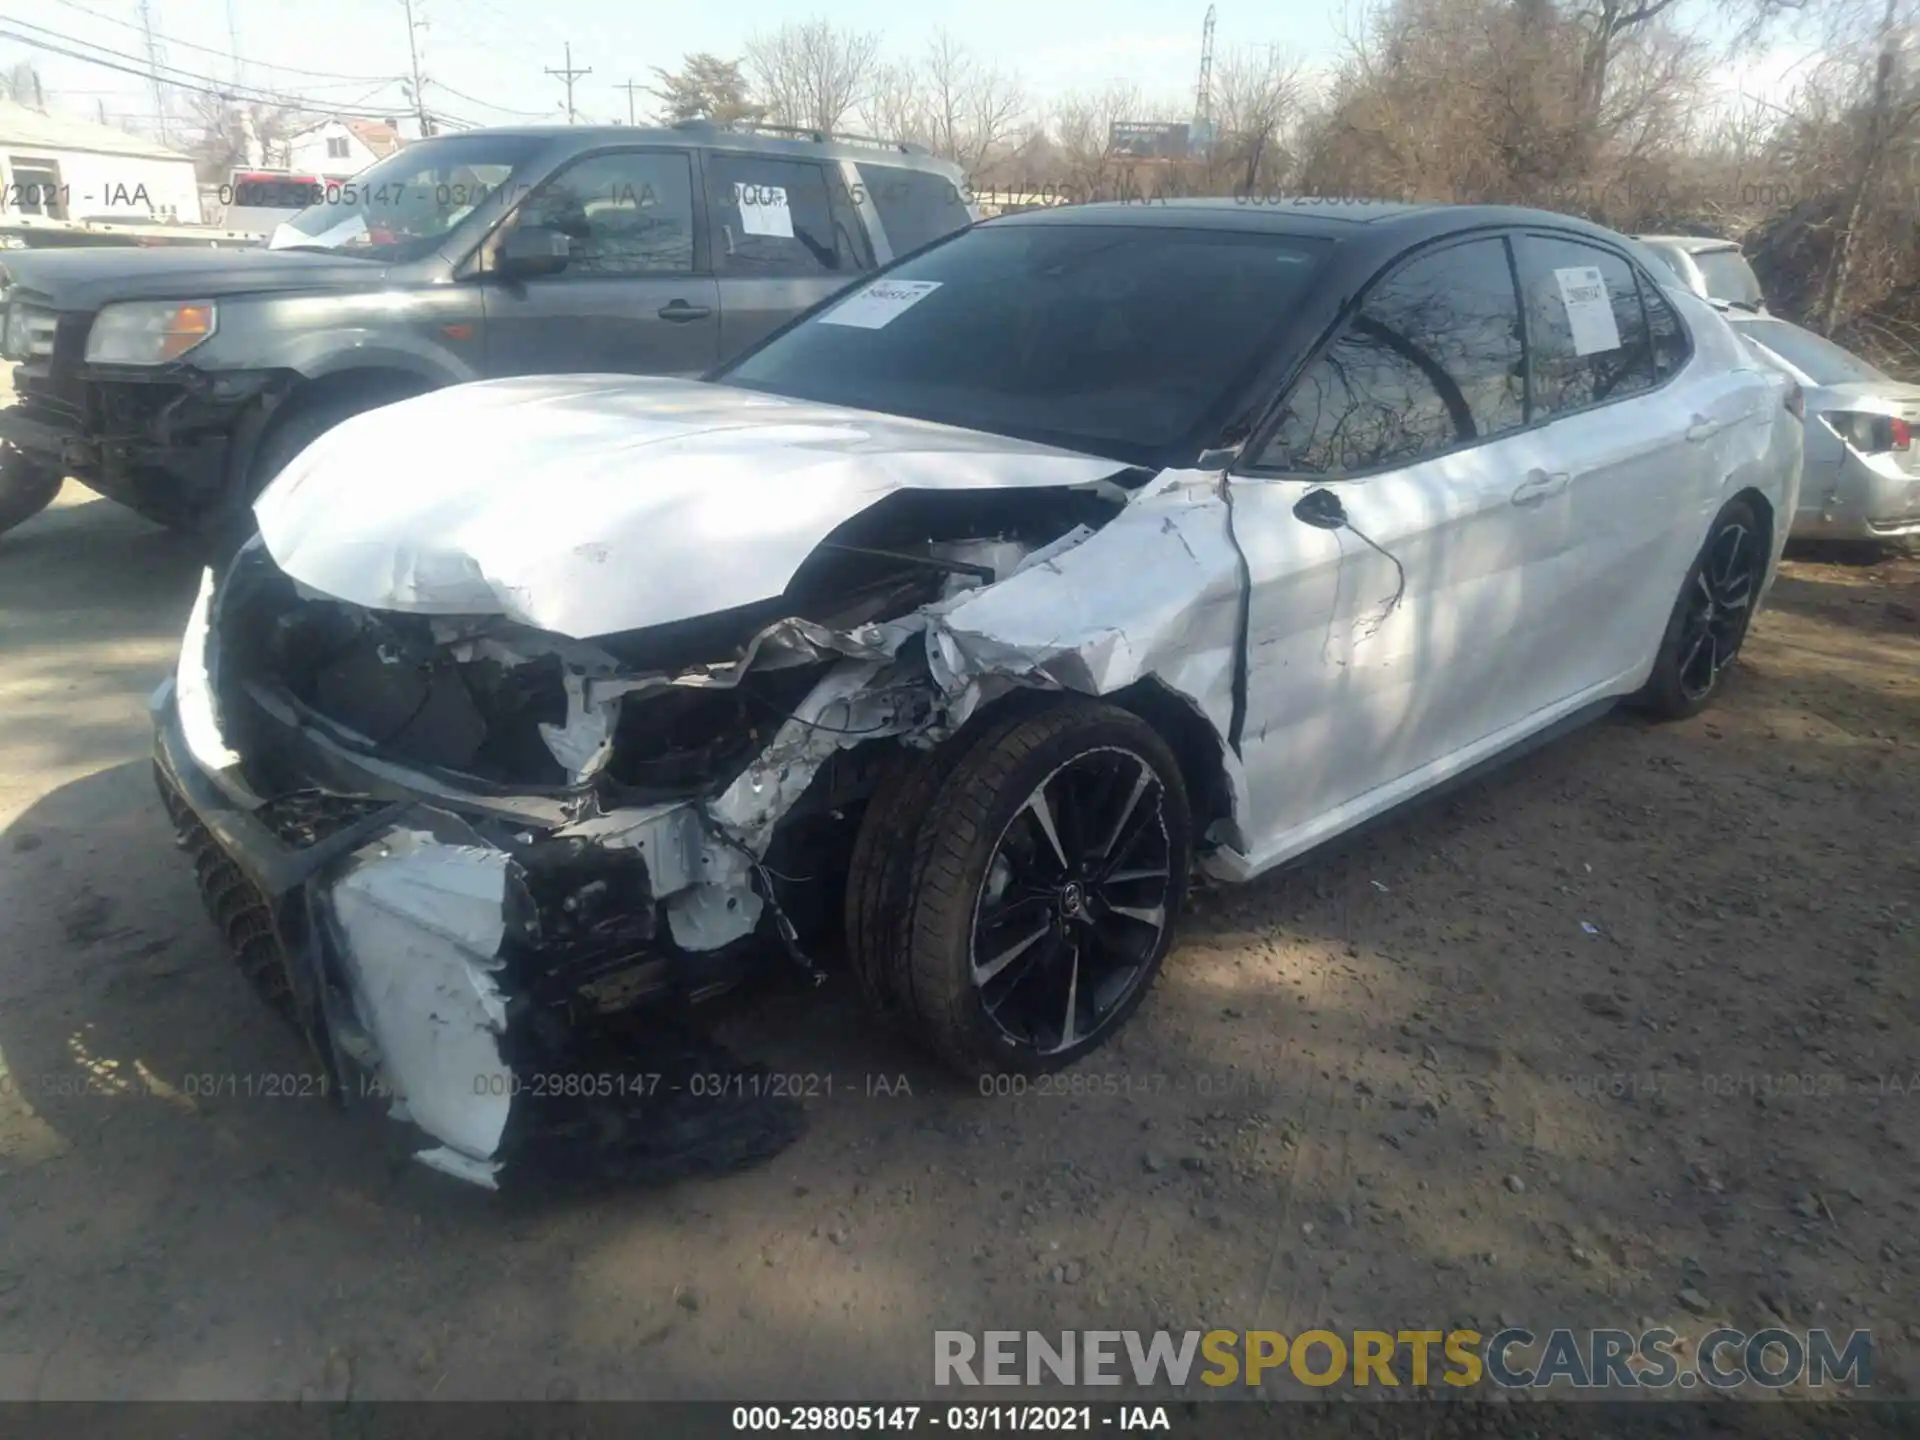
<point>494,52</point>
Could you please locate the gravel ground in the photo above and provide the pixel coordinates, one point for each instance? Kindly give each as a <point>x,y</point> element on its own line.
<point>1625,1032</point>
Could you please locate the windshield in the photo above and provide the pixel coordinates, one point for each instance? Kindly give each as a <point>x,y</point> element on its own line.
<point>1819,359</point>
<point>1113,340</point>
<point>403,207</point>
<point>1728,277</point>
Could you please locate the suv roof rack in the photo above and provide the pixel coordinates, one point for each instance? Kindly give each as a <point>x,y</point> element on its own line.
<point>801,132</point>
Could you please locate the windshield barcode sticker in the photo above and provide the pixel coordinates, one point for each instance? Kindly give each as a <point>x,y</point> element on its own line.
<point>1583,290</point>
<point>879,303</point>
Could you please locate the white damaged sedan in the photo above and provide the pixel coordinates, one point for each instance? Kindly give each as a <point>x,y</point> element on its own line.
<point>964,618</point>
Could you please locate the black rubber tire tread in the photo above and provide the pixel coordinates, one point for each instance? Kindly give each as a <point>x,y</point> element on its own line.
<point>882,867</point>
<point>290,436</point>
<point>25,490</point>
<point>1662,697</point>
<point>960,828</point>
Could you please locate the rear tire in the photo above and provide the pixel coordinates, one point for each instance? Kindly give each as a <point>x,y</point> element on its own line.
<point>1710,616</point>
<point>1047,876</point>
<point>26,488</point>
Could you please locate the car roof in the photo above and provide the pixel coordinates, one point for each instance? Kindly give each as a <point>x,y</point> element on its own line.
<point>710,135</point>
<point>1692,244</point>
<point>1381,229</point>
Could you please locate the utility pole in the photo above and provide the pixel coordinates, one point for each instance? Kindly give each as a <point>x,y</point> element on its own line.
<point>233,44</point>
<point>569,75</point>
<point>153,70</point>
<point>630,87</point>
<point>413,56</point>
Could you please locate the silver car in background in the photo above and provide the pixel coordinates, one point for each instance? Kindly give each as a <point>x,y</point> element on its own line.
<point>1862,476</point>
<point>1713,269</point>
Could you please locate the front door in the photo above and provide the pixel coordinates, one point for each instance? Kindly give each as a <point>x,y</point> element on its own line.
<point>1391,646</point>
<point>636,295</point>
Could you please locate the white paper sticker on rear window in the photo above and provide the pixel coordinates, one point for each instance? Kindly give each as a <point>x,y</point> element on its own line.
<point>1583,290</point>
<point>879,303</point>
<point>763,210</point>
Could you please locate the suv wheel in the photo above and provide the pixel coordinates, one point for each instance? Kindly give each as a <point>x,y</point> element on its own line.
<point>26,488</point>
<point>1048,872</point>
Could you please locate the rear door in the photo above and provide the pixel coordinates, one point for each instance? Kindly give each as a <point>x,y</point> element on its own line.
<point>785,234</point>
<point>1631,428</point>
<point>636,295</point>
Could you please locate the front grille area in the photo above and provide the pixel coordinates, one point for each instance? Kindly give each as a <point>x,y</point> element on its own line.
<point>234,903</point>
<point>306,817</point>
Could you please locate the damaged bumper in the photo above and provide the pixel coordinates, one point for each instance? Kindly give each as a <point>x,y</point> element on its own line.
<point>445,959</point>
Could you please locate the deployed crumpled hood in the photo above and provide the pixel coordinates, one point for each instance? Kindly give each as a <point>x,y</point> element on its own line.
<point>586,505</point>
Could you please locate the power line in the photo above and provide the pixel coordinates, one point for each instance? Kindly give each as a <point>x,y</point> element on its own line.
<point>170,73</point>
<point>487,104</point>
<point>206,86</point>
<point>569,75</point>
<point>204,49</point>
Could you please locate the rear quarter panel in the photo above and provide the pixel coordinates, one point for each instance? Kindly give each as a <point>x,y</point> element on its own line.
<point>1764,451</point>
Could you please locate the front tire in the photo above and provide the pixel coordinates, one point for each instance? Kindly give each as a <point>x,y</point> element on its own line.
<point>1710,617</point>
<point>1047,877</point>
<point>26,488</point>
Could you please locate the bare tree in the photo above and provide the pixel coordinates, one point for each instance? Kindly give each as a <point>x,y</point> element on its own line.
<point>895,106</point>
<point>20,83</point>
<point>972,106</point>
<point>811,74</point>
<point>1886,121</point>
<point>1083,128</point>
<point>218,128</point>
<point>705,88</point>
<point>1257,94</point>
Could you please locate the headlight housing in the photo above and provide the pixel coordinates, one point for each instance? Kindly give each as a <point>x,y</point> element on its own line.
<point>149,332</point>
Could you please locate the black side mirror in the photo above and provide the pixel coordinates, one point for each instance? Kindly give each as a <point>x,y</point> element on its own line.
<point>532,250</point>
<point>1321,509</point>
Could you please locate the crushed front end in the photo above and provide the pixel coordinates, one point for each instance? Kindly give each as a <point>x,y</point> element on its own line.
<point>462,855</point>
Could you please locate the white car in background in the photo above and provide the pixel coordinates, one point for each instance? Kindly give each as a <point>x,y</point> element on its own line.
<point>979,606</point>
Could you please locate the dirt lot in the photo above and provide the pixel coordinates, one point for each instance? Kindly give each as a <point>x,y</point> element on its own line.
<point>1625,1032</point>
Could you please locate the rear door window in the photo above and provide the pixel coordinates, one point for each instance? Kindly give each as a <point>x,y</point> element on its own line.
<point>1586,330</point>
<point>1434,360</point>
<point>916,207</point>
<point>777,217</point>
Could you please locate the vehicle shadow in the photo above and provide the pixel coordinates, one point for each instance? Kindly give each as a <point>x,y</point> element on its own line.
<point>1318,1120</point>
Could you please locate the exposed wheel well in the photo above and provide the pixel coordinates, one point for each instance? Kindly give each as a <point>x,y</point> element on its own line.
<point>1763,508</point>
<point>1193,740</point>
<point>380,384</point>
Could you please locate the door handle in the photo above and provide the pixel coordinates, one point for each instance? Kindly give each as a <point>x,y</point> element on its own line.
<point>1539,485</point>
<point>1703,429</point>
<point>679,312</point>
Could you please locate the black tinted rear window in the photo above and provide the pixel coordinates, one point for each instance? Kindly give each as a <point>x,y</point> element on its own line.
<point>915,207</point>
<point>1114,340</point>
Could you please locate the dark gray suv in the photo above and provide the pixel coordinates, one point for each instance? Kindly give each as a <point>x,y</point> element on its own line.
<point>179,381</point>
